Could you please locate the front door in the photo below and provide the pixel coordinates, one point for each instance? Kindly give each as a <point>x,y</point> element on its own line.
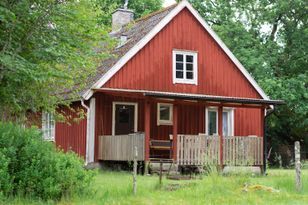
<point>124,119</point>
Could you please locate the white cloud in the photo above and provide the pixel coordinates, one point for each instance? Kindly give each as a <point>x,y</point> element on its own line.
<point>167,3</point>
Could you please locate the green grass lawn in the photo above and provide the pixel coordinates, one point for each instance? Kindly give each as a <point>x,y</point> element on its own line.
<point>116,188</point>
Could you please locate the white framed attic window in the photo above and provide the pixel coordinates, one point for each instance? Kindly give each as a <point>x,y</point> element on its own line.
<point>185,69</point>
<point>48,126</point>
<point>164,114</point>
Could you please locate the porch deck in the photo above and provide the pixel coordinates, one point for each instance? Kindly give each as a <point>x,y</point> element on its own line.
<point>190,149</point>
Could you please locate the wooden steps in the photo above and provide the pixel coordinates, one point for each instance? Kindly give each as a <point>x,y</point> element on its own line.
<point>168,167</point>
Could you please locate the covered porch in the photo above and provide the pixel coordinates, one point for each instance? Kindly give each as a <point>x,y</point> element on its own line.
<point>188,129</point>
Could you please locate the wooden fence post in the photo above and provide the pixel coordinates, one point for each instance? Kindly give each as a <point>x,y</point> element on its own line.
<point>160,172</point>
<point>135,171</point>
<point>297,166</point>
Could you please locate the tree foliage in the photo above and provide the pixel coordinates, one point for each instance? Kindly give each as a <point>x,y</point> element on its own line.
<point>139,7</point>
<point>34,168</point>
<point>46,47</point>
<point>270,37</point>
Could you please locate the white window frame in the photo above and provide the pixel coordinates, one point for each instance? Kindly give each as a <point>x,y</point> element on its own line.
<point>135,114</point>
<point>48,126</point>
<point>230,120</point>
<point>195,67</point>
<point>207,110</point>
<point>165,122</point>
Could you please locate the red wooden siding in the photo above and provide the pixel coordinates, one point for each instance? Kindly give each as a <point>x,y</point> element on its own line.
<point>151,67</point>
<point>247,121</point>
<point>71,135</point>
<point>191,119</point>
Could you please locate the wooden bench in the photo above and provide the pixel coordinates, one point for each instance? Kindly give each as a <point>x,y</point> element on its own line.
<point>161,145</point>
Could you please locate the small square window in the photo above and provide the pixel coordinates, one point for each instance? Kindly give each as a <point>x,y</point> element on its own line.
<point>164,114</point>
<point>185,67</point>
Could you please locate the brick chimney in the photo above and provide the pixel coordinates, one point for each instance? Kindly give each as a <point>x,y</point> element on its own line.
<point>121,17</point>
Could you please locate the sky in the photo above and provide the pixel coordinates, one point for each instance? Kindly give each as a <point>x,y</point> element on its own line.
<point>168,2</point>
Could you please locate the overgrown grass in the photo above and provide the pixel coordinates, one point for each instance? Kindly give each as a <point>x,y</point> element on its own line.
<point>116,188</point>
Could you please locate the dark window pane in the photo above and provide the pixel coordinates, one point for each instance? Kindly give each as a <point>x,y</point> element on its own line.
<point>123,115</point>
<point>212,123</point>
<point>189,75</point>
<point>189,58</point>
<point>189,66</point>
<point>179,57</point>
<point>179,74</point>
<point>164,112</point>
<point>179,66</point>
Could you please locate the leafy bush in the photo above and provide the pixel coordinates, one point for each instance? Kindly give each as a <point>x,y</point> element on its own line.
<point>34,168</point>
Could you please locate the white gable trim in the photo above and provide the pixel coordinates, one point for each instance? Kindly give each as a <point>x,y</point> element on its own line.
<point>136,48</point>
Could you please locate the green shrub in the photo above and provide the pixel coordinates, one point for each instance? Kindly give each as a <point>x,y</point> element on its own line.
<point>32,167</point>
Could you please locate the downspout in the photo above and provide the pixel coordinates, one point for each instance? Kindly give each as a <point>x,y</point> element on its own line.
<point>88,129</point>
<point>271,111</point>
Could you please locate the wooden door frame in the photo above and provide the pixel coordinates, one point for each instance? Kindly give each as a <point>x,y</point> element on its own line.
<point>135,104</point>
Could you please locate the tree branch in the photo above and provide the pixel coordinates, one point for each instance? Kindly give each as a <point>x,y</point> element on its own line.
<point>275,28</point>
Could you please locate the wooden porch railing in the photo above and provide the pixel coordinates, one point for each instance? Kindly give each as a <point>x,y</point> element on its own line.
<point>202,149</point>
<point>121,147</point>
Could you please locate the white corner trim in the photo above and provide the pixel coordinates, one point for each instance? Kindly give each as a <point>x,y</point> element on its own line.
<point>135,114</point>
<point>136,48</point>
<point>90,132</point>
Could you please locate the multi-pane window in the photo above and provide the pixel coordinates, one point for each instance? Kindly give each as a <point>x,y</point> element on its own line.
<point>184,67</point>
<point>48,126</point>
<point>164,114</point>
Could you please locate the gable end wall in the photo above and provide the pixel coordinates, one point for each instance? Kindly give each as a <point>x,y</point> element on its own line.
<point>151,67</point>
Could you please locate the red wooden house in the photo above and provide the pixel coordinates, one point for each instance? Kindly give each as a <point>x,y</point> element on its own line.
<point>174,90</point>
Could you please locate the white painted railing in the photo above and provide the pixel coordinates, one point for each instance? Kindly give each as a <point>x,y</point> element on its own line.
<point>243,150</point>
<point>202,149</point>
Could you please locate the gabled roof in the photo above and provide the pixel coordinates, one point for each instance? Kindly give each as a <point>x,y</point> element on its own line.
<point>142,32</point>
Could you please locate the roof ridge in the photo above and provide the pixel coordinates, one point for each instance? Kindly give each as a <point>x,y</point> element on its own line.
<point>155,13</point>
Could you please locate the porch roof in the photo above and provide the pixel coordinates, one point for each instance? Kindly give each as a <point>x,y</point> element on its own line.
<point>201,97</point>
<point>213,98</point>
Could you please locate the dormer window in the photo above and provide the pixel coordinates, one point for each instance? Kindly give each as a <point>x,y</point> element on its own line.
<point>185,67</point>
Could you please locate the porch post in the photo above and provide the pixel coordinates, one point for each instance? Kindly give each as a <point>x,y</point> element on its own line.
<point>263,151</point>
<point>175,130</point>
<point>220,133</point>
<point>147,132</point>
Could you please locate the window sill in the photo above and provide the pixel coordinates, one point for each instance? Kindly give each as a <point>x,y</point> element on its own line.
<point>185,82</point>
<point>160,122</point>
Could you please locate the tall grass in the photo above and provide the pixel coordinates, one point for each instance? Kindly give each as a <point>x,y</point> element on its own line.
<point>116,188</point>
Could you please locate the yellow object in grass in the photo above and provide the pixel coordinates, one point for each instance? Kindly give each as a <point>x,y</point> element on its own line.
<point>257,187</point>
